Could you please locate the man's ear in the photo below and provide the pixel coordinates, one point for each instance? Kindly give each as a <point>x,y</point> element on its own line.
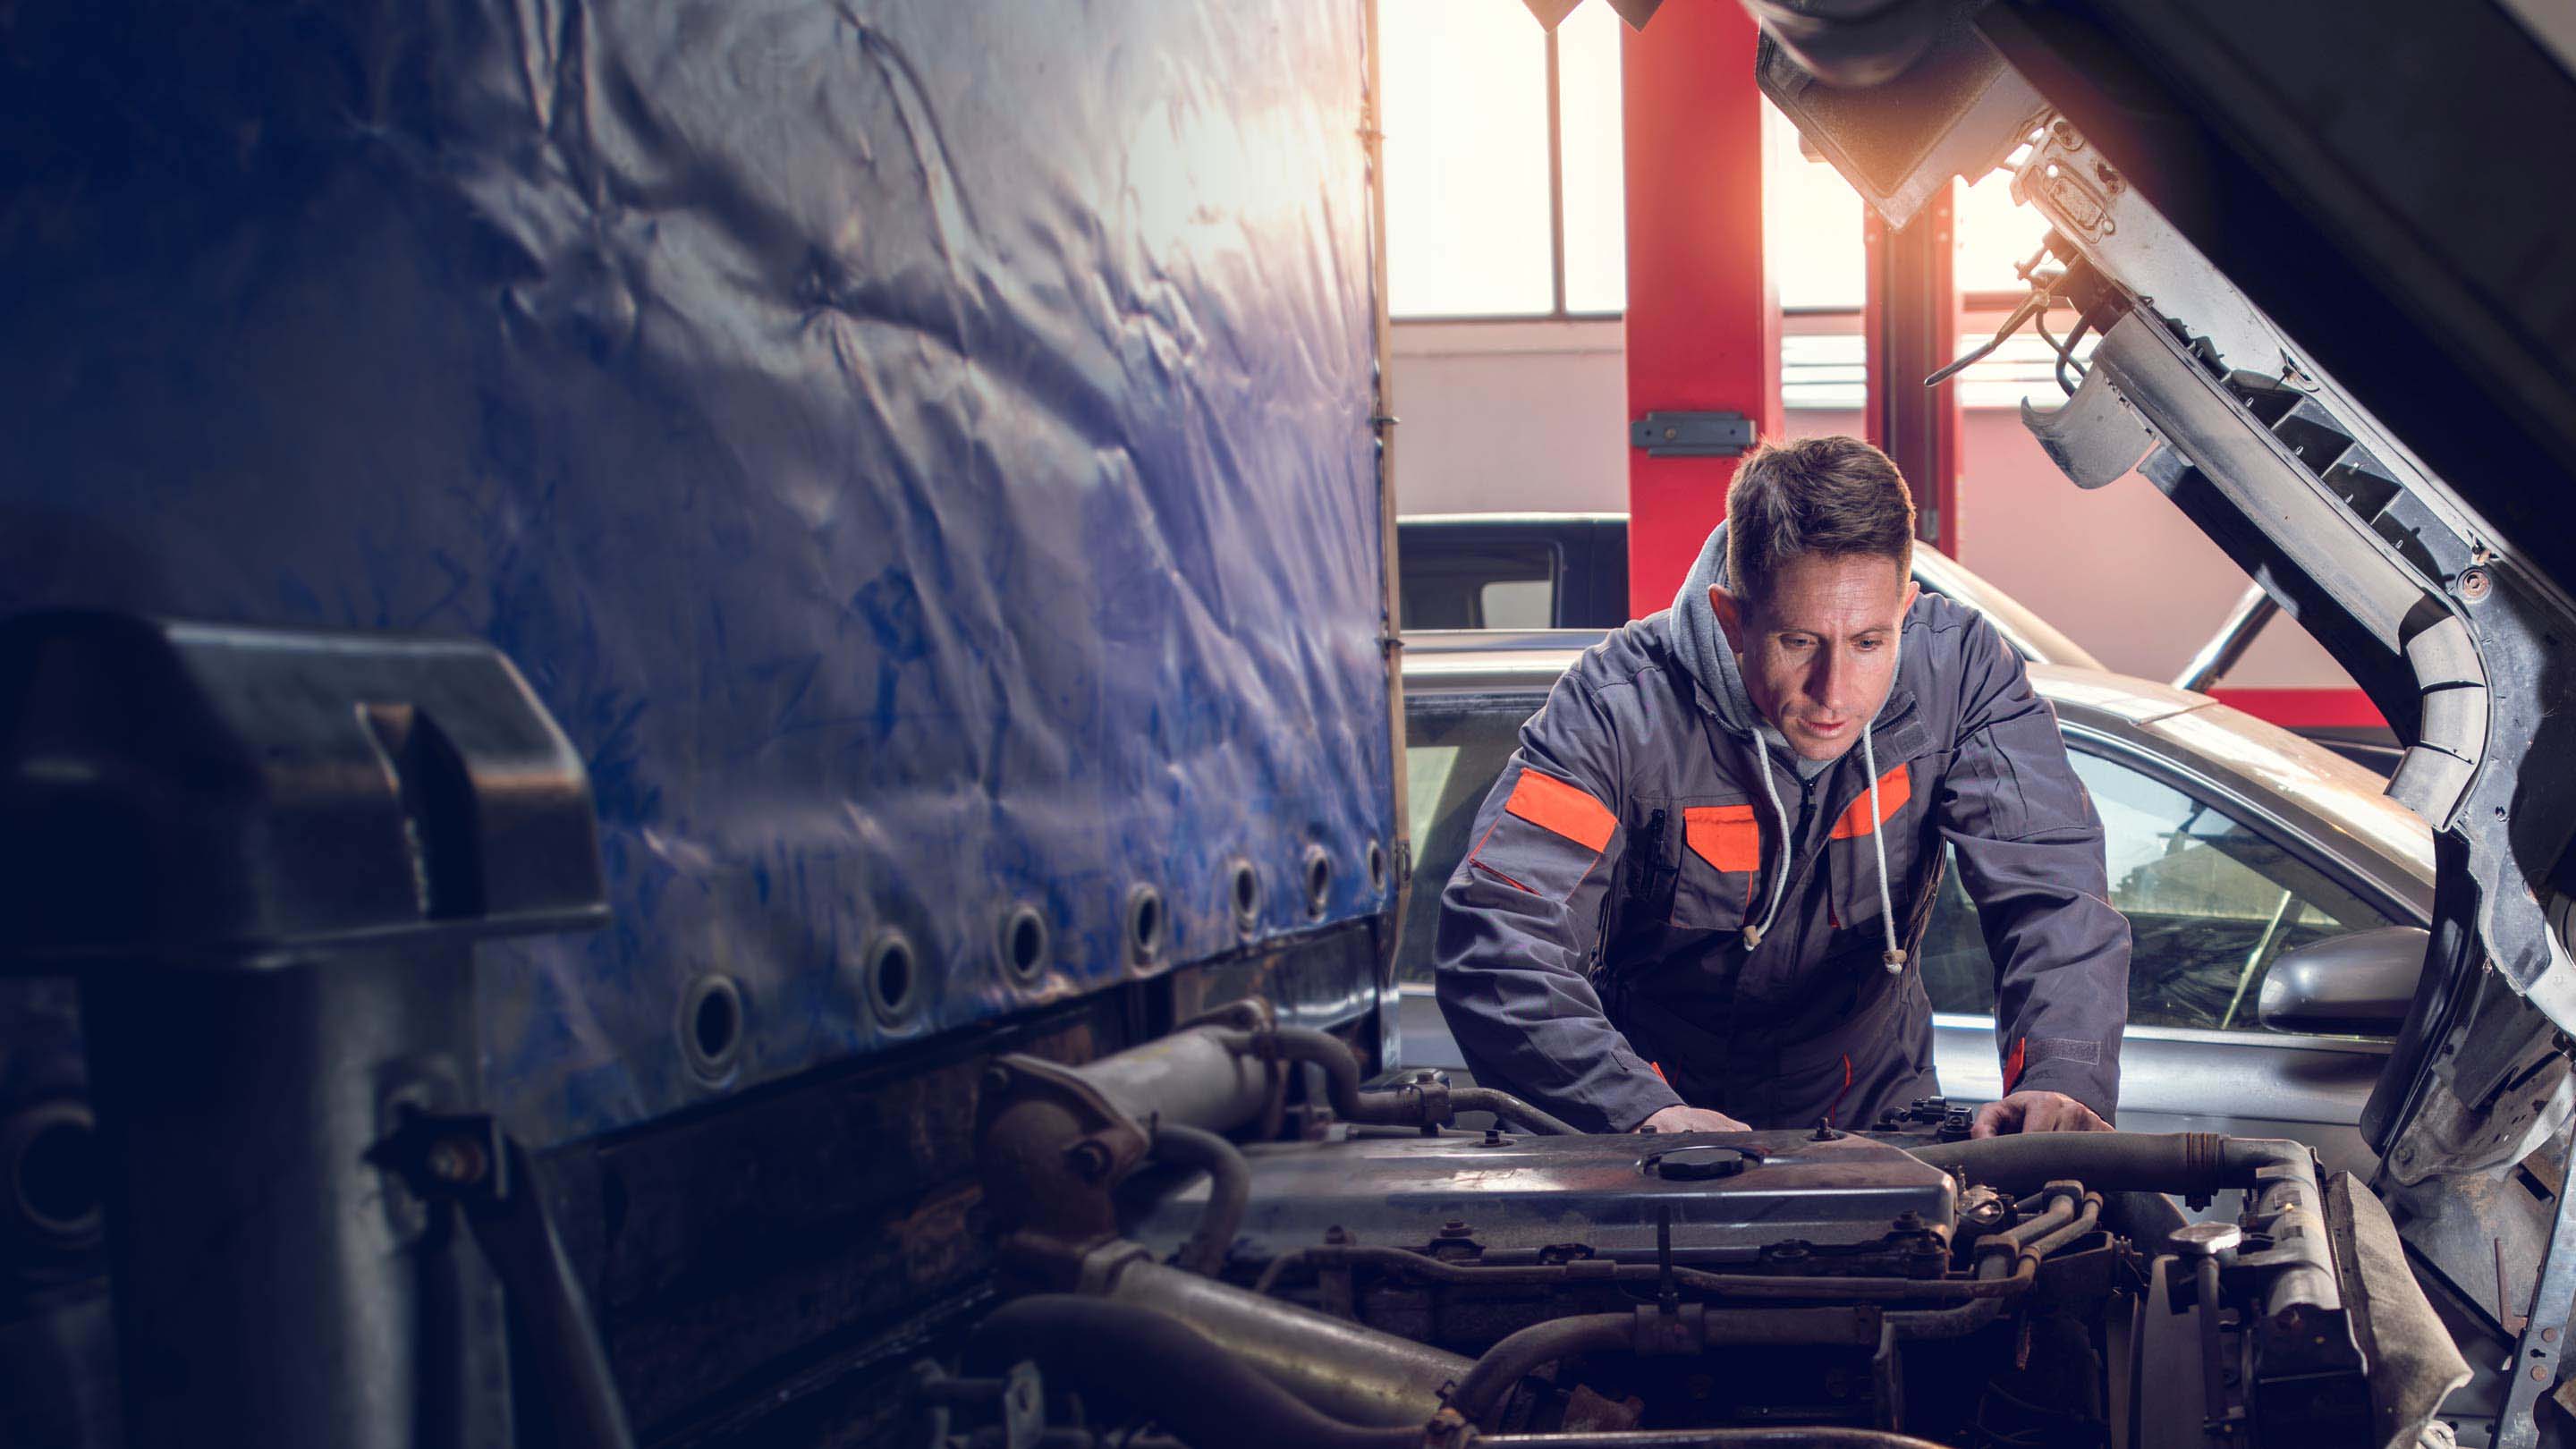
<point>1913,591</point>
<point>1730,618</point>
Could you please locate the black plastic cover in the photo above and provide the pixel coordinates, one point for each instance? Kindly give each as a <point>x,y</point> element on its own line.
<point>227,797</point>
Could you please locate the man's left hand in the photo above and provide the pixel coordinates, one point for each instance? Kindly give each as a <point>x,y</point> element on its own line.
<point>2036,1112</point>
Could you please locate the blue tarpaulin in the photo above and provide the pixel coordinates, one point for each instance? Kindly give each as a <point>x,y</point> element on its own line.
<point>921,453</point>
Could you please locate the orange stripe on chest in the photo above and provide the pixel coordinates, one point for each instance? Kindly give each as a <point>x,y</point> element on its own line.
<point>1894,789</point>
<point>1551,804</point>
<point>1725,836</point>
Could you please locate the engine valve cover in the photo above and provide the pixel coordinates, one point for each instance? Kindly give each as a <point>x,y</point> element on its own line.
<point>1729,1195</point>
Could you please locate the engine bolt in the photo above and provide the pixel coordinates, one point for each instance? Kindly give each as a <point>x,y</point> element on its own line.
<point>1089,1159</point>
<point>2473,584</point>
<point>1454,1229</point>
<point>1336,1236</point>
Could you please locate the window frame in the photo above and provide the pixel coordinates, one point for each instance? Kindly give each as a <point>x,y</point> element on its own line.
<point>1555,223</point>
<point>2217,794</point>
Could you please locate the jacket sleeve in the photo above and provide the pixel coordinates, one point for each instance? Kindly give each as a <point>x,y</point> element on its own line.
<point>2030,852</point>
<point>1521,919</point>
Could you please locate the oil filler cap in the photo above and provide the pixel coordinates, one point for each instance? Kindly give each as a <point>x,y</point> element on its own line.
<point>1697,1164</point>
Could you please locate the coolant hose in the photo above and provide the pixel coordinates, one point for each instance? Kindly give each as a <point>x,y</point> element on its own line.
<point>1520,1354</point>
<point>1229,1190</point>
<point>2190,1163</point>
<point>1165,1368</point>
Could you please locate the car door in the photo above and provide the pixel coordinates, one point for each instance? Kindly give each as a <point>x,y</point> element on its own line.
<point>2215,896</point>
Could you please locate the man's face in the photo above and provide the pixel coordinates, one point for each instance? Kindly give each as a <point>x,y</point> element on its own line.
<point>1819,653</point>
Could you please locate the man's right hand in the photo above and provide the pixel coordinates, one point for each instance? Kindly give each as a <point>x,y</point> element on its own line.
<point>1678,1118</point>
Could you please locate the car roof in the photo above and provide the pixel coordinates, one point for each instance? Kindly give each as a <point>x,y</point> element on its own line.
<point>2338,805</point>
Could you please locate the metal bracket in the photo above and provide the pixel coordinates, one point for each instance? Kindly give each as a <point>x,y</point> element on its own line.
<point>468,1160</point>
<point>2544,1334</point>
<point>1692,435</point>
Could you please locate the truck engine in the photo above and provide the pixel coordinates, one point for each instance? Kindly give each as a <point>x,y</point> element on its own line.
<point>1364,1270</point>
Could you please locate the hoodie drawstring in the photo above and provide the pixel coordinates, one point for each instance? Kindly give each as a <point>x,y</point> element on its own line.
<point>1895,957</point>
<point>1780,868</point>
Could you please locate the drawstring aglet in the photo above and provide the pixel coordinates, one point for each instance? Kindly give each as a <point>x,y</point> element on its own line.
<point>1752,937</point>
<point>1894,960</point>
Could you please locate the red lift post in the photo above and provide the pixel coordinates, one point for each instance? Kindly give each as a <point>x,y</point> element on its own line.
<point>1703,330</point>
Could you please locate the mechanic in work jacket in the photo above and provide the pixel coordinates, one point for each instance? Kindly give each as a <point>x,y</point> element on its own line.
<point>1694,896</point>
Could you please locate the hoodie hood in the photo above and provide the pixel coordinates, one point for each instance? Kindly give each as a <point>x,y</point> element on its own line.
<point>1702,644</point>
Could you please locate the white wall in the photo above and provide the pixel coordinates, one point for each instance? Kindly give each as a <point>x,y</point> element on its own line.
<point>1501,417</point>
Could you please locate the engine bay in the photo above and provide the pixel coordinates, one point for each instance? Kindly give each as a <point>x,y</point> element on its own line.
<point>1367,1268</point>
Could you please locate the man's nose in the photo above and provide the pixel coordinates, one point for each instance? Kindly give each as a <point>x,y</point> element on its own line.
<point>1837,676</point>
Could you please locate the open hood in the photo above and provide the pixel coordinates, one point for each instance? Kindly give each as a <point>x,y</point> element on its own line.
<point>2324,248</point>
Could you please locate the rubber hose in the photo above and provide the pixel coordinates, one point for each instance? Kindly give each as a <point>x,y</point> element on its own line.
<point>2148,1219</point>
<point>1486,1385</point>
<point>2180,1162</point>
<point>1229,1190</point>
<point>1165,1368</point>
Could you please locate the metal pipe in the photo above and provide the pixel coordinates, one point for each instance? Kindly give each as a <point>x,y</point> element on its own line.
<point>1197,1388</point>
<point>1229,1190</point>
<point>1974,1314</point>
<point>1350,1372</point>
<point>1406,1106</point>
<point>1195,1077</point>
<point>2236,634</point>
<point>1511,1109</point>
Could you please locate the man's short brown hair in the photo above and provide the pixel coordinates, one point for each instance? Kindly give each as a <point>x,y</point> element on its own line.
<point>1835,495</point>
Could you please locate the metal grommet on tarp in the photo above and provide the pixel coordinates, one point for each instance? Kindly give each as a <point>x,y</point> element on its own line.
<point>1021,938</point>
<point>894,981</point>
<point>1146,927</point>
<point>710,1027</point>
<point>1318,872</point>
<point>1243,895</point>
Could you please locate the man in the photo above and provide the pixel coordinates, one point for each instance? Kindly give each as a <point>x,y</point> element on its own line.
<point>1696,889</point>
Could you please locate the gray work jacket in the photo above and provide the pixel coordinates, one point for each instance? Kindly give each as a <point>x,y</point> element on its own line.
<point>1590,946</point>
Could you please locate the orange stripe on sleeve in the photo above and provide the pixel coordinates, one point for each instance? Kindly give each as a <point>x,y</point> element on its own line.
<point>1894,789</point>
<point>1551,804</point>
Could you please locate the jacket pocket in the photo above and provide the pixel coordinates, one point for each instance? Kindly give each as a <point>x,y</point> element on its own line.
<point>1720,867</point>
<point>1895,825</point>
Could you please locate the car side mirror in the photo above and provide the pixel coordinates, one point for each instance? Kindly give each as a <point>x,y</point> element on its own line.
<point>2356,985</point>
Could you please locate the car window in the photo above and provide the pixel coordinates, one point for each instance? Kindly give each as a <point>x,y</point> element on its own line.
<point>1454,748</point>
<point>1480,585</point>
<point>2212,903</point>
